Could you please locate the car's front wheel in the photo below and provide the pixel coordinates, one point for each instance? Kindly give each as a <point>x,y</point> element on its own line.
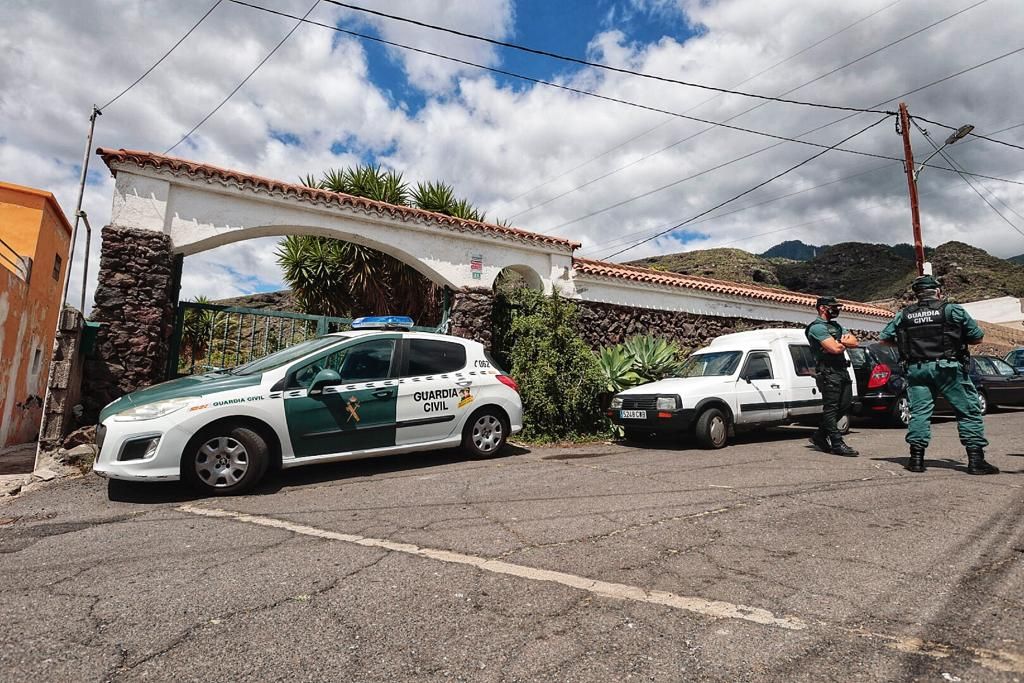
<point>983,401</point>
<point>485,433</point>
<point>712,429</point>
<point>225,460</point>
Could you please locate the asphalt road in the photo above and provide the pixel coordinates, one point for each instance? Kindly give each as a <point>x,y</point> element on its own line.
<point>601,562</point>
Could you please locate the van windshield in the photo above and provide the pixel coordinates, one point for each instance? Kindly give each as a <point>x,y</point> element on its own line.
<point>717,364</point>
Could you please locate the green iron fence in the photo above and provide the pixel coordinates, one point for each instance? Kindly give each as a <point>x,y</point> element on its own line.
<point>210,337</point>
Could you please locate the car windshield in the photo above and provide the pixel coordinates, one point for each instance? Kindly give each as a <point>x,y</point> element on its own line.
<point>285,356</point>
<point>717,364</point>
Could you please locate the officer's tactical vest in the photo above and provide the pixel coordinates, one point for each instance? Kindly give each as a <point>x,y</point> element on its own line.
<point>926,333</point>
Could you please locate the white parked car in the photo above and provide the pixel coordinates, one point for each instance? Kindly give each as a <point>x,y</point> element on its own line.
<point>740,381</point>
<point>343,396</point>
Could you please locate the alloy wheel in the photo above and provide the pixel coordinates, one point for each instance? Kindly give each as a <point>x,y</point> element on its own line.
<point>221,462</point>
<point>488,433</point>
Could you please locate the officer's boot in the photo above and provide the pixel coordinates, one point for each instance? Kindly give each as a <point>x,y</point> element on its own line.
<point>821,442</point>
<point>916,461</point>
<point>839,447</point>
<point>976,462</point>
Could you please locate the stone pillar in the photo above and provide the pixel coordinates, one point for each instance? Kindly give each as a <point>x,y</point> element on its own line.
<point>470,314</point>
<point>139,278</point>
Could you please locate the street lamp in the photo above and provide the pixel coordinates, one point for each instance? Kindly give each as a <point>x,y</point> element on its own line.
<point>960,133</point>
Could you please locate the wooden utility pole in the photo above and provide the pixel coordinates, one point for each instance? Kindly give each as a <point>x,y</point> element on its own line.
<point>915,215</point>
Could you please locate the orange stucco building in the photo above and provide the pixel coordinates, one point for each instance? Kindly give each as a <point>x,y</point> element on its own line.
<point>34,240</point>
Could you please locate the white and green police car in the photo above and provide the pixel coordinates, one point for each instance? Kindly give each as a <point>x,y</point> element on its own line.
<point>377,390</point>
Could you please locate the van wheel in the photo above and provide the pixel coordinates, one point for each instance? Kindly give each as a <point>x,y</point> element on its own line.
<point>485,433</point>
<point>712,429</point>
<point>225,460</point>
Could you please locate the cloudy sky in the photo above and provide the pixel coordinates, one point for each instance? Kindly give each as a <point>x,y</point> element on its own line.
<point>549,160</point>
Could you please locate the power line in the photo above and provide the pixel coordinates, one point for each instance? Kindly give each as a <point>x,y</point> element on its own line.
<point>631,236</point>
<point>747,111</point>
<point>596,65</point>
<point>246,79</point>
<point>808,132</point>
<point>752,189</point>
<point>580,91</point>
<point>619,146</point>
<point>952,165</point>
<point>972,133</point>
<point>165,56</point>
<point>559,86</point>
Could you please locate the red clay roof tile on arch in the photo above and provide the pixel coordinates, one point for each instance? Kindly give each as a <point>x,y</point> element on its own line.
<point>194,168</point>
<point>658,277</point>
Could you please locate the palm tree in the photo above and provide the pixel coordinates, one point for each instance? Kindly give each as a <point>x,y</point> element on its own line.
<point>334,277</point>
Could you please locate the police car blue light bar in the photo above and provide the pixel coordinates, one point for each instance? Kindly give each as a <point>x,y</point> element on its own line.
<point>382,322</point>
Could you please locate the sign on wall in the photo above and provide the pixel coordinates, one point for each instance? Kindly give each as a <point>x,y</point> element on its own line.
<point>476,265</point>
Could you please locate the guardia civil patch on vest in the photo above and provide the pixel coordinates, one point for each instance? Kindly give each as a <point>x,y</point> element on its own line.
<point>927,333</point>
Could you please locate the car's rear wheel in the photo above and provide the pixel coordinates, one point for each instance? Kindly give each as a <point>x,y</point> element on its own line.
<point>900,413</point>
<point>485,433</point>
<point>225,460</point>
<point>983,401</point>
<point>712,429</point>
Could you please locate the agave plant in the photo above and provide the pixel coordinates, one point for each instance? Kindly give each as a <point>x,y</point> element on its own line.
<point>616,366</point>
<point>653,357</point>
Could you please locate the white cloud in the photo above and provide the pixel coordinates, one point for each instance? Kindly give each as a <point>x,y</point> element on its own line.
<point>494,141</point>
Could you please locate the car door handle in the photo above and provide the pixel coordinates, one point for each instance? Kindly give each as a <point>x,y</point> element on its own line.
<point>776,386</point>
<point>383,393</point>
<point>464,383</point>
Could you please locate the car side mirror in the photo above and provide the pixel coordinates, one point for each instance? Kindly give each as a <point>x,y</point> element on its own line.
<point>324,378</point>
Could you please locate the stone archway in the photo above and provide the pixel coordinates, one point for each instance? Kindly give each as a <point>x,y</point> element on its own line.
<point>166,208</point>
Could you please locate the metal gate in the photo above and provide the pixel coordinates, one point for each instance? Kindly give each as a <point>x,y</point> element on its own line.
<point>209,337</point>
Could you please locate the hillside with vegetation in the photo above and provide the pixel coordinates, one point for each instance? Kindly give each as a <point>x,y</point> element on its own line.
<point>854,270</point>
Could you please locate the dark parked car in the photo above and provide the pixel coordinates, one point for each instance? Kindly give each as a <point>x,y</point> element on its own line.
<point>882,386</point>
<point>1016,359</point>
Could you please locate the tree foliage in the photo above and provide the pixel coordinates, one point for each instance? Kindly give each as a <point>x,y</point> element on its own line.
<point>558,375</point>
<point>338,278</point>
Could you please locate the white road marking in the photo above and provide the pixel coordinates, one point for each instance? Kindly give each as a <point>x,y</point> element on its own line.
<point>618,591</point>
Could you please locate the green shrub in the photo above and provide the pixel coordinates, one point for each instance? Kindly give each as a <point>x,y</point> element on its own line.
<point>654,358</point>
<point>559,377</point>
<point>617,369</point>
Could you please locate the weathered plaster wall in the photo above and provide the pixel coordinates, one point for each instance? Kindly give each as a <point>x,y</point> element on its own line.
<point>32,224</point>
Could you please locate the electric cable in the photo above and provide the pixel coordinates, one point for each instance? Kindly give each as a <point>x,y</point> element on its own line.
<point>588,93</point>
<point>244,80</point>
<point>165,56</point>
<point>808,132</point>
<point>559,86</point>
<point>755,187</point>
<point>972,133</point>
<point>622,239</point>
<point>606,67</point>
<point>636,137</point>
<point>952,165</point>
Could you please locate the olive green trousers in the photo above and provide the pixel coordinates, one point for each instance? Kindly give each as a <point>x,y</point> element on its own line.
<point>949,379</point>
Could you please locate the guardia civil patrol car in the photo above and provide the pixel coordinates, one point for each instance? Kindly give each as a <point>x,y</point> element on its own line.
<point>377,390</point>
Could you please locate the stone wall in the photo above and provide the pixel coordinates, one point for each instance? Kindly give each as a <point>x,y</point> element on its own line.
<point>602,324</point>
<point>471,315</point>
<point>135,300</point>
<point>63,391</point>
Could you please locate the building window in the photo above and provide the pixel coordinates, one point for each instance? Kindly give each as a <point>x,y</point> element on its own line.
<point>56,266</point>
<point>37,361</point>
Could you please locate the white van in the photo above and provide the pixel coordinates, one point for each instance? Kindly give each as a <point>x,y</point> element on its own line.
<point>740,381</point>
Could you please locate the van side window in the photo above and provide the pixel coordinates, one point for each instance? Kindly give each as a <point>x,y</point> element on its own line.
<point>759,366</point>
<point>432,357</point>
<point>803,361</point>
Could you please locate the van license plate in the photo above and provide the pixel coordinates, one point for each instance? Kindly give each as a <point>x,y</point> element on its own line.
<point>633,414</point>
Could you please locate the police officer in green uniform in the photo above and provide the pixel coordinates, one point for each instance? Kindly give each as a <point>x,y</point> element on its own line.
<point>932,337</point>
<point>829,342</point>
